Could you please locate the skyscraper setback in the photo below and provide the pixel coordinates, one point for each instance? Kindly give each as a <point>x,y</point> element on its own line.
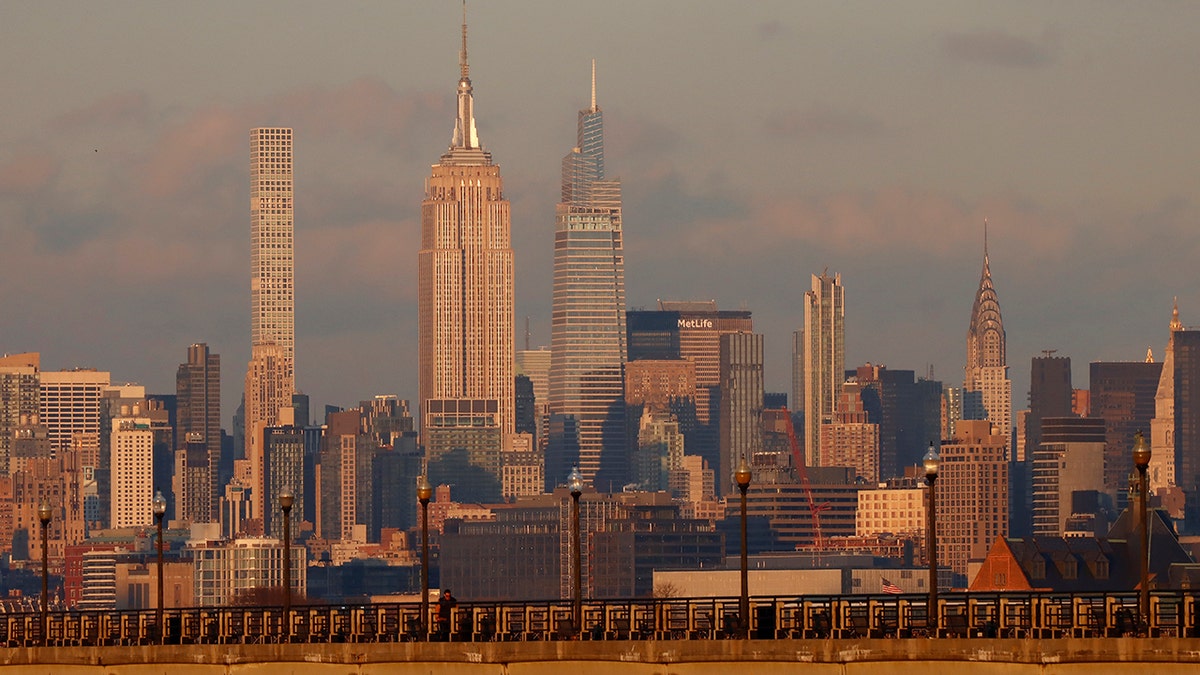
<point>465,283</point>
<point>588,327</point>
<point>271,373</point>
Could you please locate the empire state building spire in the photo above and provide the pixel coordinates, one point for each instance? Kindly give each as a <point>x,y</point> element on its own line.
<point>465,136</point>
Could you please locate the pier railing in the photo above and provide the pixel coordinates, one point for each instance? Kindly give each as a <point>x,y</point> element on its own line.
<point>959,615</point>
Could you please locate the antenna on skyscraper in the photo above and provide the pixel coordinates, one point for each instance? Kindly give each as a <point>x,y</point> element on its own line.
<point>526,332</point>
<point>462,57</point>
<point>593,84</point>
<point>985,253</point>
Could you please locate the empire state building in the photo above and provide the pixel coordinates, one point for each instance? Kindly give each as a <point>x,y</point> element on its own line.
<point>465,295</point>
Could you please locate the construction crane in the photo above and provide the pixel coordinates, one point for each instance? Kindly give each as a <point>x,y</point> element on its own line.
<point>802,472</point>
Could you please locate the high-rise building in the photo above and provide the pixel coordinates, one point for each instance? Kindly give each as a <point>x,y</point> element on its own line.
<point>1049,395</point>
<point>69,406</point>
<point>690,330</point>
<point>1161,473</point>
<point>198,411</point>
<point>972,495</point>
<point>132,483</point>
<point>987,391</point>
<point>1069,459</point>
<point>908,411</point>
<point>271,373</point>
<point>851,438</point>
<point>741,404</point>
<point>588,327</point>
<point>19,396</point>
<point>465,276</point>
<point>1187,424</point>
<point>824,359</point>
<point>1123,394</point>
<point>283,468</point>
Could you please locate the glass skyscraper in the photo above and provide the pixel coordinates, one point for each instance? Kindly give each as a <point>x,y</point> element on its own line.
<point>588,327</point>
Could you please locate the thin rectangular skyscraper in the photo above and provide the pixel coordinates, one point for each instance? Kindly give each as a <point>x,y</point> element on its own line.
<point>588,327</point>
<point>271,373</point>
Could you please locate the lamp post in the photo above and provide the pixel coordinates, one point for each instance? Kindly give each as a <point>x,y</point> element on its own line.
<point>424,492</point>
<point>933,463</point>
<point>159,507</point>
<point>1141,459</point>
<point>44,514</point>
<point>742,478</point>
<point>286,499</point>
<point>575,485</point>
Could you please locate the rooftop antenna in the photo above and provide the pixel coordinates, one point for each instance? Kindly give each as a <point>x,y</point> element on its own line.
<point>526,332</point>
<point>594,108</point>
<point>462,57</point>
<point>985,251</point>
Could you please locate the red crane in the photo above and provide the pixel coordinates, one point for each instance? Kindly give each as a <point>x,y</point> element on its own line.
<point>802,472</point>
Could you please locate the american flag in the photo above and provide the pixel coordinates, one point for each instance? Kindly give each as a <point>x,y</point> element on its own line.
<point>889,587</point>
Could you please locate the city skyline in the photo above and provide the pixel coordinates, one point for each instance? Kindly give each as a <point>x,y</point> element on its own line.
<point>122,190</point>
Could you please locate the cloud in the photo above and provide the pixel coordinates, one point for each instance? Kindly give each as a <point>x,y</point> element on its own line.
<point>821,122</point>
<point>997,48</point>
<point>119,109</point>
<point>27,173</point>
<point>768,30</point>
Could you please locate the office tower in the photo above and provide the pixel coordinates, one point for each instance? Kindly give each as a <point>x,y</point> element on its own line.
<point>465,281</point>
<point>69,406</point>
<point>741,403</point>
<point>198,411</point>
<point>587,343</point>
<point>283,467</point>
<point>132,485</point>
<point>690,330</point>
<point>851,438</point>
<point>192,484</point>
<point>271,373</point>
<point>659,451</point>
<point>1069,459</point>
<point>1049,395</point>
<point>972,495</point>
<point>1187,424</point>
<point>386,418</point>
<point>798,370</point>
<point>465,447</point>
<point>908,411</point>
<point>987,391</point>
<point>19,397</point>
<point>339,486</point>
<point>1123,395</point>
<point>535,365</point>
<point>824,359</point>
<point>1161,474</point>
<point>394,475</point>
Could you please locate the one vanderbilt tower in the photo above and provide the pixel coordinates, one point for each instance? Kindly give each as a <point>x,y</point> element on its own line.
<point>465,293</point>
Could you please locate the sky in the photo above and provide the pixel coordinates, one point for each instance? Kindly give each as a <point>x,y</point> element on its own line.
<point>758,144</point>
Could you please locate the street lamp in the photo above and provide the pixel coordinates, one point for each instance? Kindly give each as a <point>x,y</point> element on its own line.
<point>1141,459</point>
<point>575,485</point>
<point>159,507</point>
<point>44,514</point>
<point>933,463</point>
<point>424,492</point>
<point>742,478</point>
<point>286,499</point>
